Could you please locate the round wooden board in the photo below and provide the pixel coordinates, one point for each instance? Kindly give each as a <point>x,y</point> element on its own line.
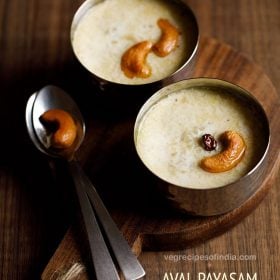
<point>143,216</point>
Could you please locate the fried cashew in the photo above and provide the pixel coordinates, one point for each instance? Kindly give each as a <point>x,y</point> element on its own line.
<point>62,126</point>
<point>232,154</point>
<point>168,40</point>
<point>133,61</point>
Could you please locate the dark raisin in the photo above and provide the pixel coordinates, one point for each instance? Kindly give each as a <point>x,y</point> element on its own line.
<point>209,142</point>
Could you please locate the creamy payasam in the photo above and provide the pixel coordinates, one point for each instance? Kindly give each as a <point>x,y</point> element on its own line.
<point>168,138</point>
<point>111,27</point>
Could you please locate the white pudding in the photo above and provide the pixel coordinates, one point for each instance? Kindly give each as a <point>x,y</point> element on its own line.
<point>168,137</point>
<point>110,27</point>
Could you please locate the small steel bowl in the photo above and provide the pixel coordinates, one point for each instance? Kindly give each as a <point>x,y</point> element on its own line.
<point>219,199</point>
<point>129,92</point>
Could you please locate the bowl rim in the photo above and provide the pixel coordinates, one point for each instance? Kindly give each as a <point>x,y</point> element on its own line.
<point>86,5</point>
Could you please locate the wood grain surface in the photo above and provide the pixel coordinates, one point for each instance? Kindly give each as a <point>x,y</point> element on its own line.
<point>35,211</point>
<point>151,225</point>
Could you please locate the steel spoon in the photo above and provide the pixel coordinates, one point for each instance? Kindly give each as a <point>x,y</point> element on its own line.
<point>51,97</point>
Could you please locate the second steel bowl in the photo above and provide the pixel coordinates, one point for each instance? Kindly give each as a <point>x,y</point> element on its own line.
<point>126,91</point>
<point>179,116</point>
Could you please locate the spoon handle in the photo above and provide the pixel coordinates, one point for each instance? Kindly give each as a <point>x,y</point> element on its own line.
<point>102,261</point>
<point>128,263</point>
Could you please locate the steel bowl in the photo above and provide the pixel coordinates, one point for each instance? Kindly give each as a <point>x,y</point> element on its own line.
<point>127,92</point>
<point>219,199</point>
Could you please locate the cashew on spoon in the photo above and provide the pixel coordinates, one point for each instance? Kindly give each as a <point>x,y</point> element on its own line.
<point>168,40</point>
<point>232,154</point>
<point>62,126</point>
<point>133,62</point>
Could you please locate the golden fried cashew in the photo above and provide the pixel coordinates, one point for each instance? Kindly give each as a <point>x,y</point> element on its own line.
<point>62,126</point>
<point>168,40</point>
<point>232,154</point>
<point>133,62</point>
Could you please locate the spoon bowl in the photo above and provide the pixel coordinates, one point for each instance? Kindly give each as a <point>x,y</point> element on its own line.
<point>51,97</point>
